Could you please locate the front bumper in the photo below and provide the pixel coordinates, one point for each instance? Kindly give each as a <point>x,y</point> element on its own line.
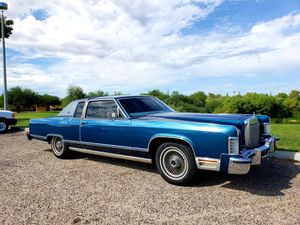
<point>240,164</point>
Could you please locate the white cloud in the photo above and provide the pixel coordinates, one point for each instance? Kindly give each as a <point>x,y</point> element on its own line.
<point>129,45</point>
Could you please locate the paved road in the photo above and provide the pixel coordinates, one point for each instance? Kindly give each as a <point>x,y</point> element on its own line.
<point>37,188</point>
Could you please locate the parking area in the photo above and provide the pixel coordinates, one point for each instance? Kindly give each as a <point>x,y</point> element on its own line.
<point>38,188</point>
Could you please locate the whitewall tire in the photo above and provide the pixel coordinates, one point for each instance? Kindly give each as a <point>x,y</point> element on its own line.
<point>176,163</point>
<point>58,147</point>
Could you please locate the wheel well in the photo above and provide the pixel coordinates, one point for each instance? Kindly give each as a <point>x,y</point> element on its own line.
<point>155,143</point>
<point>49,138</point>
<point>2,119</point>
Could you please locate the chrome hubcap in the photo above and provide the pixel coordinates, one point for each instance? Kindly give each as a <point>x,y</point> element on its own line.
<point>173,163</point>
<point>57,145</point>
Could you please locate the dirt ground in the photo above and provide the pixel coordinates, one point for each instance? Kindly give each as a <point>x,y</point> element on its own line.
<point>38,188</point>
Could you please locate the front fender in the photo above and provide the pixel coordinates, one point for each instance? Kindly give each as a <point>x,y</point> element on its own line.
<point>171,136</point>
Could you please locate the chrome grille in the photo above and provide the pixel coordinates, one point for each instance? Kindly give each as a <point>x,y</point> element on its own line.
<point>252,133</point>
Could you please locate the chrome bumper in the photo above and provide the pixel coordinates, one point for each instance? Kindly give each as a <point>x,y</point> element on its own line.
<point>240,164</point>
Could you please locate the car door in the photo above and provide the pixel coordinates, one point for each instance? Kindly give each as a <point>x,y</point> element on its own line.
<point>102,127</point>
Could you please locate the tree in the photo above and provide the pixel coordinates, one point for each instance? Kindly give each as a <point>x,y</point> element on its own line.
<point>48,100</point>
<point>258,103</point>
<point>21,99</point>
<point>214,103</point>
<point>99,93</point>
<point>7,27</point>
<point>74,92</point>
<point>117,93</point>
<point>159,94</point>
<point>198,98</point>
<point>282,96</point>
<point>294,94</point>
<point>292,102</point>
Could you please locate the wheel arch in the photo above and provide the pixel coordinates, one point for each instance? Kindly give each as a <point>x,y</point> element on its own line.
<point>157,140</point>
<point>50,136</point>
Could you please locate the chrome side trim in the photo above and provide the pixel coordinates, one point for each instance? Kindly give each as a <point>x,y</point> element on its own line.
<point>206,163</point>
<point>140,149</point>
<point>113,155</point>
<point>107,145</point>
<point>39,137</point>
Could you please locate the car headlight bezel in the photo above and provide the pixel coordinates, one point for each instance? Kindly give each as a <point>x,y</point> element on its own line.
<point>267,129</point>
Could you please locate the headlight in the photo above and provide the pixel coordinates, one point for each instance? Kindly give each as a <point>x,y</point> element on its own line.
<point>233,145</point>
<point>267,128</point>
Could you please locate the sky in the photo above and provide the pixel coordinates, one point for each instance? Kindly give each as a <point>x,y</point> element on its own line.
<point>133,46</point>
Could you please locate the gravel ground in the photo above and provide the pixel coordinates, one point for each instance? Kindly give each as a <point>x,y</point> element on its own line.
<point>38,188</point>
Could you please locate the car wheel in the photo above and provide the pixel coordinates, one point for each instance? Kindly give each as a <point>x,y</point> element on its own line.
<point>58,147</point>
<point>3,126</point>
<point>175,163</point>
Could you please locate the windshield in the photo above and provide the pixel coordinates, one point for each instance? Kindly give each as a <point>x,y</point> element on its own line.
<point>140,106</point>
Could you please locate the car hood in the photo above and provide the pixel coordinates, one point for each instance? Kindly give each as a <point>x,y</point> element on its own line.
<point>227,119</point>
<point>6,113</point>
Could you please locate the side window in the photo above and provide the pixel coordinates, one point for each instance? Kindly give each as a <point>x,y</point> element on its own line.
<point>79,109</point>
<point>104,109</point>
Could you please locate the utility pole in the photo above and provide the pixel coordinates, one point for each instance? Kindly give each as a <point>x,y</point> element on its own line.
<point>3,6</point>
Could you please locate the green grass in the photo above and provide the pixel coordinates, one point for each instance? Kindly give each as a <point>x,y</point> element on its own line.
<point>289,135</point>
<point>24,117</point>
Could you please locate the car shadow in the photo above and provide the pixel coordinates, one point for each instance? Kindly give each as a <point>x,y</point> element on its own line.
<point>13,129</point>
<point>269,179</point>
<point>113,161</point>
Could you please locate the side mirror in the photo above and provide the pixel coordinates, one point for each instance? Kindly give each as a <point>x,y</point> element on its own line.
<point>113,116</point>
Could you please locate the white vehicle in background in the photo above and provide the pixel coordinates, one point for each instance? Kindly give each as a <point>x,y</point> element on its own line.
<point>7,118</point>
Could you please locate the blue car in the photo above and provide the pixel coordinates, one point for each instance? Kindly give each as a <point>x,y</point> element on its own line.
<point>144,129</point>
